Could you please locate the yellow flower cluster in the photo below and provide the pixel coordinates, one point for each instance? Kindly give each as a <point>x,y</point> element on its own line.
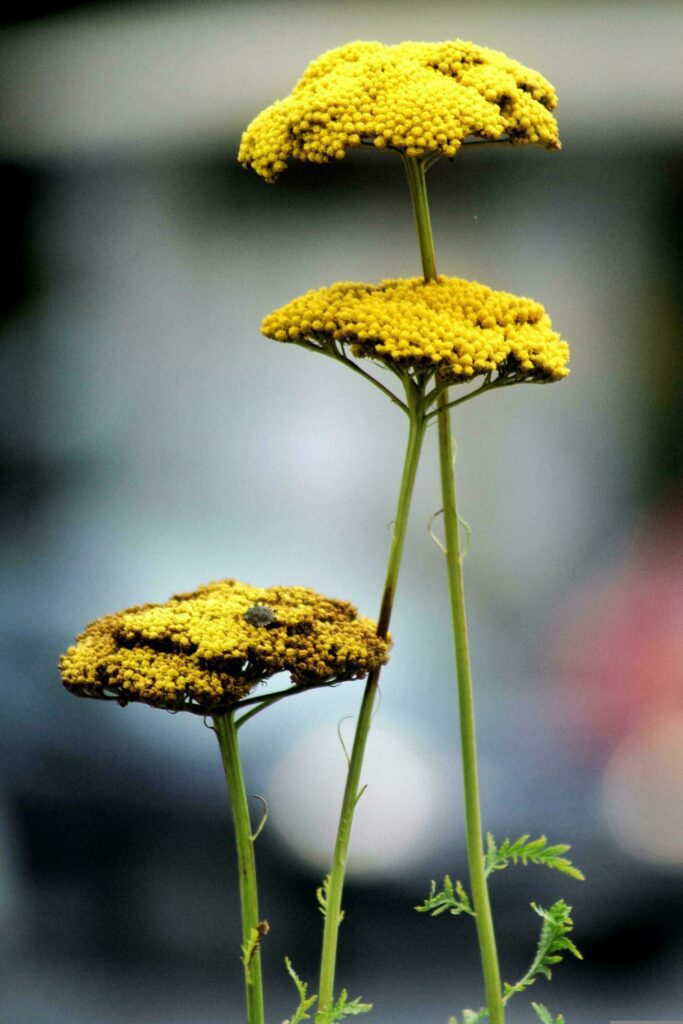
<point>416,97</point>
<point>208,648</point>
<point>461,327</point>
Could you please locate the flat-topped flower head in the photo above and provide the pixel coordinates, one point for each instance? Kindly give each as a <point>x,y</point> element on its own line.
<point>416,97</point>
<point>209,648</point>
<point>460,328</point>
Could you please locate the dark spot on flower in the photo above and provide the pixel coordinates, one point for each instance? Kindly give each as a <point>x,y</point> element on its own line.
<point>304,628</point>
<point>261,615</point>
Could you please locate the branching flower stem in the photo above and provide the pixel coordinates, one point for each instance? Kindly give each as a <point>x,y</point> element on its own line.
<point>475,841</point>
<point>417,416</point>
<point>226,731</point>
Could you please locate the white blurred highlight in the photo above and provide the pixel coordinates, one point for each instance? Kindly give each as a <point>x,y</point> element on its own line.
<point>643,791</point>
<point>395,817</point>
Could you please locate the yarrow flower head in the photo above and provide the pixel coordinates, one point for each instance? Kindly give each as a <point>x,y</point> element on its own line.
<point>460,328</point>
<point>208,648</point>
<point>416,97</point>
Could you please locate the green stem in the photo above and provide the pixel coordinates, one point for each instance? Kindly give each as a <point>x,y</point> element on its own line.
<point>415,170</point>
<point>468,742</point>
<point>226,732</point>
<point>475,841</point>
<point>335,883</point>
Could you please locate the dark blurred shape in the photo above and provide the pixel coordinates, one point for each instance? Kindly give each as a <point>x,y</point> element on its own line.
<point>31,10</point>
<point>17,196</point>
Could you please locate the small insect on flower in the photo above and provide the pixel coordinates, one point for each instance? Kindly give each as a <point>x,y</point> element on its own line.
<point>261,615</point>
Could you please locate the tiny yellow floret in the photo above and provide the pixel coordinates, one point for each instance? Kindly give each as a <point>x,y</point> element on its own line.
<point>416,97</point>
<point>209,648</point>
<point>462,328</point>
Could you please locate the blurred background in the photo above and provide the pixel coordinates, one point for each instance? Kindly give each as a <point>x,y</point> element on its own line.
<point>152,439</point>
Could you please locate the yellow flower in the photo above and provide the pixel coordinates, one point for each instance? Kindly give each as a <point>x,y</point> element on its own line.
<point>416,97</point>
<point>460,328</point>
<point>209,648</point>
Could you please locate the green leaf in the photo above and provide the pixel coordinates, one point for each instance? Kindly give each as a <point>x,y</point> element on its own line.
<point>553,944</point>
<point>452,898</point>
<point>470,1017</point>
<point>321,894</point>
<point>542,1013</point>
<point>526,851</point>
<point>305,1001</point>
<point>253,943</point>
<point>545,1016</point>
<point>341,1009</point>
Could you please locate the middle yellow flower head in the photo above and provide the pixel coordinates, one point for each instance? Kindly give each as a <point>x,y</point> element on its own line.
<point>416,97</point>
<point>461,328</point>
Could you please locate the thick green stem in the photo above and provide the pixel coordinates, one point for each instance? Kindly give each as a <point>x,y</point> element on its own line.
<point>226,732</point>
<point>415,170</point>
<point>468,742</point>
<point>351,792</point>
<point>475,842</point>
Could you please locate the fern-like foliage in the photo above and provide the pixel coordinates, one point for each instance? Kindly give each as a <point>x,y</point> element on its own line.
<point>321,895</point>
<point>341,1009</point>
<point>305,1001</point>
<point>553,944</point>
<point>545,1016</point>
<point>470,1017</point>
<point>452,898</point>
<point>528,851</point>
<point>344,1007</point>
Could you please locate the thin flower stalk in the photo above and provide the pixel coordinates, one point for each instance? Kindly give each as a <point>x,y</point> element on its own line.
<point>475,843</point>
<point>252,927</point>
<point>335,886</point>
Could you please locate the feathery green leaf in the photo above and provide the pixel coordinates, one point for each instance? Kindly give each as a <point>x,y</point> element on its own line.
<point>341,1009</point>
<point>553,943</point>
<point>305,1001</point>
<point>452,898</point>
<point>545,1016</point>
<point>526,851</point>
<point>470,1017</point>
<point>321,894</point>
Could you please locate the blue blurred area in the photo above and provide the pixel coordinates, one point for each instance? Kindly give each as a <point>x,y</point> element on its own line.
<point>152,439</point>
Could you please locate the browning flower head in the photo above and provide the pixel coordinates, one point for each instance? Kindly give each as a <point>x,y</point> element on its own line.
<point>461,328</point>
<point>209,648</point>
<point>416,97</point>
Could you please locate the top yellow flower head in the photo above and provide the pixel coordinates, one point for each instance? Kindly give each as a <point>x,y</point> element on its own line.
<point>416,97</point>
<point>207,649</point>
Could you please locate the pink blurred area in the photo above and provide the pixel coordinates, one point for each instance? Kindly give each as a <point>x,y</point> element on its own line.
<point>616,651</point>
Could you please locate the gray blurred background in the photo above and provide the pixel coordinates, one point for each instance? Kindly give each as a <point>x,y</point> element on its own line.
<point>152,439</point>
